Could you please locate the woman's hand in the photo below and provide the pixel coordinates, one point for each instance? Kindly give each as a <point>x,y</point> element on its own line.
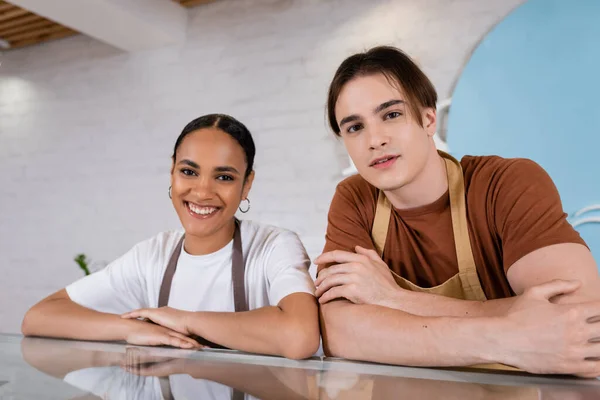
<point>150,334</point>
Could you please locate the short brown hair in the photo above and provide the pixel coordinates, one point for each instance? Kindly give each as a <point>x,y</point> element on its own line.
<point>397,67</point>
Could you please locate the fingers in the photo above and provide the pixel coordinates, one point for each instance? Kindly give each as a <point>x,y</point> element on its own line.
<point>173,341</point>
<point>590,335</point>
<point>140,313</point>
<point>136,355</point>
<point>331,281</point>
<point>591,312</point>
<point>336,292</point>
<point>554,288</point>
<point>338,257</point>
<point>176,339</point>
<point>589,369</point>
<point>193,342</point>
<point>371,254</point>
<point>159,369</point>
<point>143,363</point>
<point>138,369</point>
<point>334,270</point>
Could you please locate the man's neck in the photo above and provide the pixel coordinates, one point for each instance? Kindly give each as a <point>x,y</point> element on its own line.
<point>428,186</point>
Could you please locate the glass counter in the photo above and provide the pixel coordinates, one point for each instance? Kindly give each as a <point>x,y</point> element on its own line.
<point>37,368</point>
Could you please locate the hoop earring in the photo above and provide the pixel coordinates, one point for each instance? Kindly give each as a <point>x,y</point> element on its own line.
<point>170,192</point>
<point>247,209</point>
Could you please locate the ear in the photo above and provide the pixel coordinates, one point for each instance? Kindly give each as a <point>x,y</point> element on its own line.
<point>247,185</point>
<point>429,118</point>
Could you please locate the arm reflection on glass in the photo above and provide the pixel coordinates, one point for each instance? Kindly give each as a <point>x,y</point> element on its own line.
<point>139,372</point>
<point>260,381</point>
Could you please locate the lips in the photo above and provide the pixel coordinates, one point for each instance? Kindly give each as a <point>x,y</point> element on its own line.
<point>384,161</point>
<point>201,211</point>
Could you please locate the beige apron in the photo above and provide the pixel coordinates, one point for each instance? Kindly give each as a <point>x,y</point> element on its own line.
<point>465,284</point>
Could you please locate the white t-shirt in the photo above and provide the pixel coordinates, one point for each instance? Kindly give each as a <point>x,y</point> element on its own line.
<point>276,266</point>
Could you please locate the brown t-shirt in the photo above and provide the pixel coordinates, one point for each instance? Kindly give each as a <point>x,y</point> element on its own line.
<point>513,208</point>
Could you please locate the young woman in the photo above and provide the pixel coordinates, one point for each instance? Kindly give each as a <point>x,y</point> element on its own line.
<point>222,282</point>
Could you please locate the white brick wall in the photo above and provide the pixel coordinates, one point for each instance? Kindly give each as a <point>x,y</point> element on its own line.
<point>86,131</point>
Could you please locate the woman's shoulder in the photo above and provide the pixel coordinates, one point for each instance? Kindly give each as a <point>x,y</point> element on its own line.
<point>159,245</point>
<point>266,235</point>
<point>270,247</point>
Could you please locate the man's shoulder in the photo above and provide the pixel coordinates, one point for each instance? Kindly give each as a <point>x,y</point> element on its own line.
<point>356,185</point>
<point>493,170</point>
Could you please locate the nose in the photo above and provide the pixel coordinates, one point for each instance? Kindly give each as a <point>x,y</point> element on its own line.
<point>203,187</point>
<point>377,139</point>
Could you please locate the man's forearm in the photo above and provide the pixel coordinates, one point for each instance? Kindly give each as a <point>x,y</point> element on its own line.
<point>433,305</point>
<point>64,318</point>
<point>381,334</point>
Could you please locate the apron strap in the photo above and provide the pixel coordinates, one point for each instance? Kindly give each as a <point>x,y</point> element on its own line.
<point>381,223</point>
<point>458,211</point>
<point>167,281</point>
<point>165,388</point>
<point>462,243</point>
<point>238,272</point>
<point>238,267</point>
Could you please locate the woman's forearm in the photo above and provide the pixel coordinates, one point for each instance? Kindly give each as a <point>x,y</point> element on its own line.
<point>59,316</point>
<point>291,331</point>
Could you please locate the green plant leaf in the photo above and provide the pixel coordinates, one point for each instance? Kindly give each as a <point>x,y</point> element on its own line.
<point>83,263</point>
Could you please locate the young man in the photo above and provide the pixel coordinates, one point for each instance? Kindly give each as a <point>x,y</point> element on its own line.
<point>433,262</point>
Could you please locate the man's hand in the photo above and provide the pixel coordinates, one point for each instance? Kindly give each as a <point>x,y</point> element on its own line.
<point>547,338</point>
<point>361,277</point>
<point>147,334</point>
<point>168,317</point>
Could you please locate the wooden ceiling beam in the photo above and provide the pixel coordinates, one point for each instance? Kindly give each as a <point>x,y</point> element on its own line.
<point>40,32</point>
<point>38,23</point>
<point>4,6</point>
<point>56,35</point>
<point>17,12</point>
<point>21,27</point>
<point>132,25</point>
<point>19,21</point>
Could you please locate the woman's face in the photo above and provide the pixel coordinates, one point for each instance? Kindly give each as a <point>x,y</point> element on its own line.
<point>207,181</point>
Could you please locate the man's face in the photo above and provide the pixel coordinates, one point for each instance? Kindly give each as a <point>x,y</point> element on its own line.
<point>386,143</point>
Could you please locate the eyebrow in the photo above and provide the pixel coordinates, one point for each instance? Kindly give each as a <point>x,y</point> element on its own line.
<point>349,118</point>
<point>379,108</point>
<point>225,168</point>
<point>190,163</point>
<point>387,104</point>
